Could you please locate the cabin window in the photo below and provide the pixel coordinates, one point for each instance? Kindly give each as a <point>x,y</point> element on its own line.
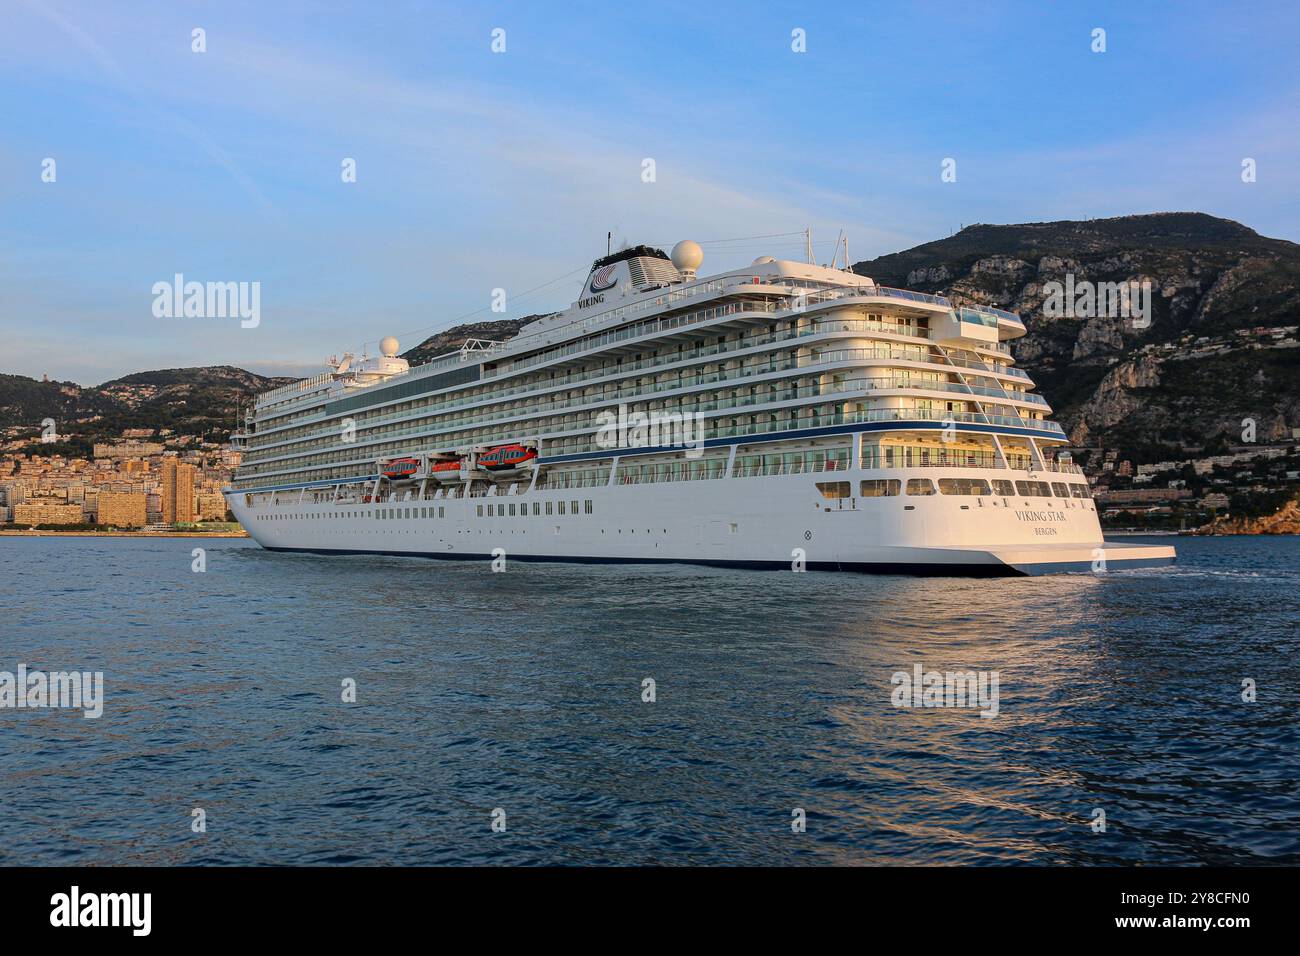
<point>834,489</point>
<point>1060,489</point>
<point>920,486</point>
<point>1080,491</point>
<point>1003,487</point>
<point>587,506</point>
<point>880,487</point>
<point>442,512</point>
<point>548,507</point>
<point>512,511</point>
<point>480,511</point>
<point>964,486</point>
<point>1034,489</point>
<point>537,508</point>
<point>561,507</point>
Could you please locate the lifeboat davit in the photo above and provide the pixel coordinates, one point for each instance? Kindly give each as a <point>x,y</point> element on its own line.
<point>400,468</point>
<point>445,470</point>
<point>506,457</point>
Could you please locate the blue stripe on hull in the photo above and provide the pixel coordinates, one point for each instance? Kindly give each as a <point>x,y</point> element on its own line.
<point>865,567</point>
<point>918,569</point>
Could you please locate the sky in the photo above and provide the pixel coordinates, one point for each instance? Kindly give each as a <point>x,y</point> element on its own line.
<point>479,169</point>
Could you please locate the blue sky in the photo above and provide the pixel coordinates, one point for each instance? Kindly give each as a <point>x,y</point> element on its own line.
<point>479,170</point>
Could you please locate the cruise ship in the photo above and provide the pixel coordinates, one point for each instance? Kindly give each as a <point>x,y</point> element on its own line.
<point>784,415</point>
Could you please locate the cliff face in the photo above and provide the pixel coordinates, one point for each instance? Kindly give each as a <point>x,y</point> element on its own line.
<point>1193,374</point>
<point>444,342</point>
<point>1286,520</point>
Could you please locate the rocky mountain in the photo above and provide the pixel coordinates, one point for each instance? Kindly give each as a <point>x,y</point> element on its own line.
<point>191,401</point>
<point>1183,377</point>
<point>442,342</point>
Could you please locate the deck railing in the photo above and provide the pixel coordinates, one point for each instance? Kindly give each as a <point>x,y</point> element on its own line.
<point>828,356</point>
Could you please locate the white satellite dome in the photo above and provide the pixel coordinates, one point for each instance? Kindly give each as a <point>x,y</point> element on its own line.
<point>763,260</point>
<point>687,256</point>
<point>388,346</point>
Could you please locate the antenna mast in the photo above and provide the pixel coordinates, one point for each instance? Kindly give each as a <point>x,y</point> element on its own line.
<point>835,258</point>
<point>808,249</point>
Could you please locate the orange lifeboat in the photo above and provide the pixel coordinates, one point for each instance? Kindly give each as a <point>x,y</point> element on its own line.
<point>445,470</point>
<point>400,468</point>
<point>506,457</point>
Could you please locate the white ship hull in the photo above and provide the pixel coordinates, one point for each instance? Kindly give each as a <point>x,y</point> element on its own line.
<point>761,522</point>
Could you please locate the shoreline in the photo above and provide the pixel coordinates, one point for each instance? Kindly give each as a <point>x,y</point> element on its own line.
<point>123,534</point>
<point>1198,533</point>
<point>1117,533</point>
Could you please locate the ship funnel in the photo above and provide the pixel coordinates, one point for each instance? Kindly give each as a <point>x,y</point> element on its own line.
<point>641,267</point>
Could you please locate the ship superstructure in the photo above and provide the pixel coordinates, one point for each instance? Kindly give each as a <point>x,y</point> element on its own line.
<point>784,414</point>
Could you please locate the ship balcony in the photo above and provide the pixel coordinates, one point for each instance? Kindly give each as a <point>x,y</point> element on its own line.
<point>766,465</point>
<point>575,441</point>
<point>727,313</point>
<point>965,326</point>
<point>1009,324</point>
<point>1050,431</point>
<point>748,376</point>
<point>981,323</point>
<point>774,397</point>
<point>749,343</point>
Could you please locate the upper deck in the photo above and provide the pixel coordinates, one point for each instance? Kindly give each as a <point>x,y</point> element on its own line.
<point>778,351</point>
<point>604,318</point>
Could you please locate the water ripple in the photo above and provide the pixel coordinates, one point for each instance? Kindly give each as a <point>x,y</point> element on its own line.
<point>523,692</point>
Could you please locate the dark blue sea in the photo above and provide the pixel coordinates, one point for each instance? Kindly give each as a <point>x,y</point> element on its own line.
<point>522,692</point>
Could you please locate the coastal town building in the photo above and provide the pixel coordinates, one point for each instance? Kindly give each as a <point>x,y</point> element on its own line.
<point>47,512</point>
<point>130,449</point>
<point>177,491</point>
<point>122,509</point>
<point>163,488</point>
<point>211,507</point>
<point>1143,495</point>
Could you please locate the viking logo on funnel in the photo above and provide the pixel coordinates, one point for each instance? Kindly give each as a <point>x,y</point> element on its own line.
<point>603,278</point>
